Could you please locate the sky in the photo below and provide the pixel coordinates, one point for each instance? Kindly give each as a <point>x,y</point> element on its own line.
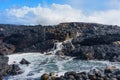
<point>52,12</point>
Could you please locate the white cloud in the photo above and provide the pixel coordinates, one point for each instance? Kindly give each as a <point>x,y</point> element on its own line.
<point>53,15</point>
<point>21,12</point>
<point>114,3</point>
<point>57,13</point>
<point>106,17</point>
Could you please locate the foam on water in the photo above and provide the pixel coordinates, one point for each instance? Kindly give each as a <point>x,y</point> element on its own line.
<point>57,46</point>
<point>41,63</point>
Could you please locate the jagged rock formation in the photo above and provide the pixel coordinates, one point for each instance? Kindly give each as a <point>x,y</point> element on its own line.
<point>6,69</point>
<point>14,69</point>
<point>3,65</point>
<point>90,40</point>
<point>95,74</point>
<point>33,38</point>
<point>3,59</point>
<point>96,41</point>
<point>24,61</point>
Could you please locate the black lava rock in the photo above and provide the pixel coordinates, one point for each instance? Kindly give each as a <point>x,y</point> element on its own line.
<point>24,61</point>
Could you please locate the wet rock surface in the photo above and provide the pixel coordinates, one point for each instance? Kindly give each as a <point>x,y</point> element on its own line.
<point>101,52</point>
<point>3,59</point>
<point>24,61</point>
<point>89,40</point>
<point>94,74</point>
<point>6,69</point>
<point>14,69</point>
<point>3,65</point>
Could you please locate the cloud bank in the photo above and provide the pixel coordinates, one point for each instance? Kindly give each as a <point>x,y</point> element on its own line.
<point>57,13</point>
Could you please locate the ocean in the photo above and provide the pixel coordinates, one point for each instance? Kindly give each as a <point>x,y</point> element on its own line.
<point>41,63</point>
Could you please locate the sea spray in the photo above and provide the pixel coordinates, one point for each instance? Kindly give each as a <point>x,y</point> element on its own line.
<point>41,63</point>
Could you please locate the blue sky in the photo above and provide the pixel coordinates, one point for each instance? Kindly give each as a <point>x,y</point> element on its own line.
<point>21,11</point>
<point>90,5</point>
<point>5,4</point>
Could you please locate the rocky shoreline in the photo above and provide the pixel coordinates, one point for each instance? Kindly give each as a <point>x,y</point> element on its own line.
<point>86,41</point>
<point>89,41</point>
<point>5,68</point>
<point>109,73</point>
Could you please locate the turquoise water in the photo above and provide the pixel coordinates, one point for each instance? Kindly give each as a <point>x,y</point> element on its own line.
<point>41,63</point>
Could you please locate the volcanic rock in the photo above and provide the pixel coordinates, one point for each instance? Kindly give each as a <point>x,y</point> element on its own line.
<point>14,69</point>
<point>89,40</point>
<point>3,65</point>
<point>85,75</point>
<point>24,61</point>
<point>45,77</point>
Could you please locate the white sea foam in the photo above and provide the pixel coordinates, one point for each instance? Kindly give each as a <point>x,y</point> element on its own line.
<point>41,63</point>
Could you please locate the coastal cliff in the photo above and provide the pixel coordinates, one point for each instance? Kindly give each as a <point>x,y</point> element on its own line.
<point>90,40</point>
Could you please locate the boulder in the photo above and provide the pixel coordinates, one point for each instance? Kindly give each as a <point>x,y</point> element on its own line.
<point>70,75</point>
<point>52,76</point>
<point>24,61</point>
<point>14,69</point>
<point>110,69</point>
<point>93,74</point>
<point>45,77</point>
